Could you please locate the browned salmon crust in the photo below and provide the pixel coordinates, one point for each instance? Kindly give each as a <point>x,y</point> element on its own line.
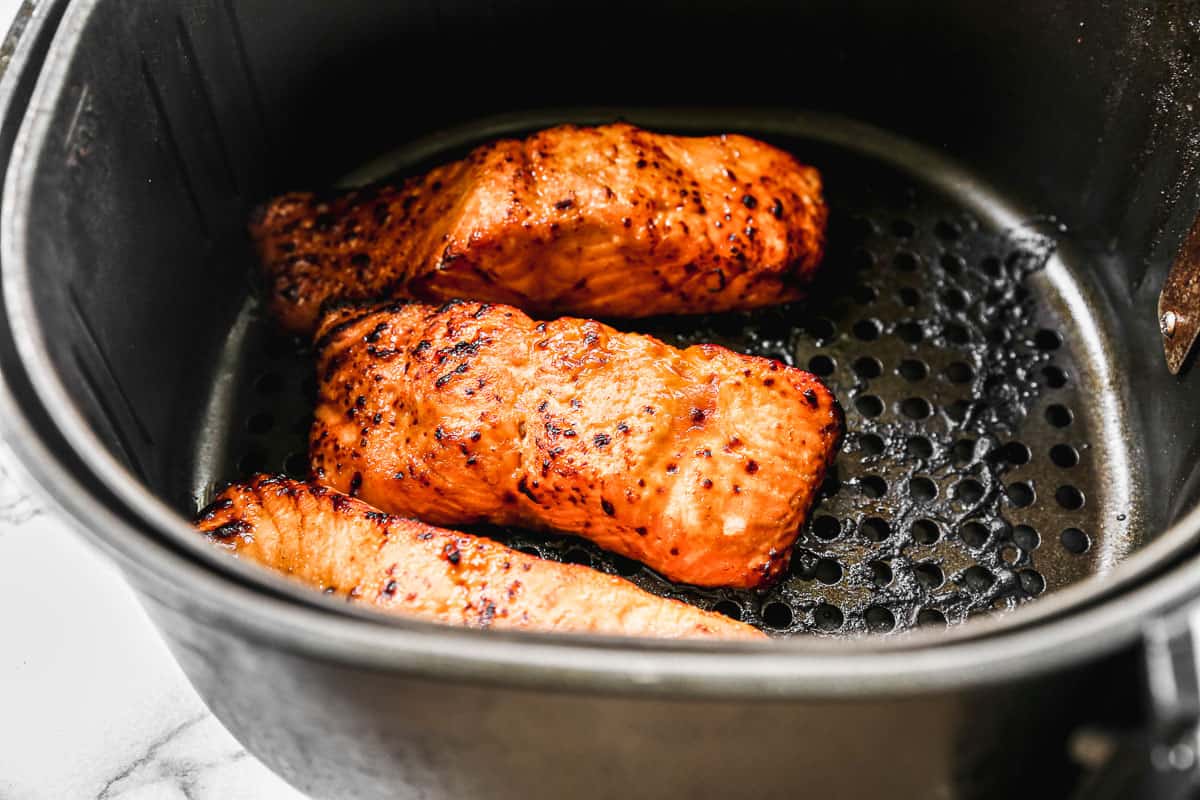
<point>609,221</point>
<point>342,546</point>
<point>702,463</point>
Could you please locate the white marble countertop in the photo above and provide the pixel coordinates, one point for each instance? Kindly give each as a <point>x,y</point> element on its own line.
<point>91,703</point>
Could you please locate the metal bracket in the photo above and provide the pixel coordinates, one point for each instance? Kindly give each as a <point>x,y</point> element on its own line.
<point>1179,302</point>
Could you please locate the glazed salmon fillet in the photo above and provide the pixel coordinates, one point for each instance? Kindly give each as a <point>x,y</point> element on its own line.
<point>702,463</point>
<point>345,547</point>
<point>609,221</point>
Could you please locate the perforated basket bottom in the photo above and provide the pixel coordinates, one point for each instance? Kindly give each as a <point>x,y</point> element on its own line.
<point>973,475</point>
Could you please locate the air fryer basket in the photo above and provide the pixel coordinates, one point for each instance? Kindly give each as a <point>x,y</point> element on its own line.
<point>1010,184</point>
<point>984,328</point>
<point>939,323</point>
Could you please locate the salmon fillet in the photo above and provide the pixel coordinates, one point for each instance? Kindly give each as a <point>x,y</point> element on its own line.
<point>702,463</point>
<point>345,547</point>
<point>611,221</point>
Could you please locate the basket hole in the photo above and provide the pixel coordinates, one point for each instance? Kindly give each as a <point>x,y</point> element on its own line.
<point>958,372</point>
<point>308,387</point>
<point>954,299</point>
<point>822,366</point>
<point>931,618</point>
<point>998,336</point>
<point>821,328</point>
<point>864,294</point>
<point>302,424</point>
<point>968,491</point>
<point>1009,554</point>
<point>729,609</point>
<point>879,619</point>
<point>909,297</point>
<point>1056,377</point>
<point>913,370</point>
<point>577,556</point>
<point>955,333</point>
<point>252,461</point>
<point>826,527</point>
<point>269,383</point>
<point>957,411</point>
<point>1063,455</point>
<point>867,368</point>
<point>280,346</point>
<point>922,489</point>
<point>906,261</point>
<point>873,486</point>
<point>918,447</point>
<point>1015,453</point>
<point>875,529</point>
<point>1032,582</point>
<point>991,267</point>
<point>625,567</point>
<point>827,617</point>
<point>903,229</point>
<point>953,264</point>
<point>947,231</point>
<point>881,573</point>
<point>862,258</point>
<point>867,330</point>
<point>929,575</point>
<point>925,531</point>
<point>973,534</point>
<point>829,571</point>
<point>1059,415</point>
<point>1075,541</point>
<point>1046,339</point>
<point>910,332</point>
<point>1026,538</point>
<point>963,451</point>
<point>777,615</point>
<point>978,579</point>
<point>1069,497</point>
<point>916,408</point>
<point>832,484</point>
<point>296,465</point>
<point>868,405</point>
<point>870,444</point>
<point>1021,494</point>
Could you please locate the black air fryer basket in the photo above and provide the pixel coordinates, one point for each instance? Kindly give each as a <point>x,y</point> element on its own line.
<point>1015,506</point>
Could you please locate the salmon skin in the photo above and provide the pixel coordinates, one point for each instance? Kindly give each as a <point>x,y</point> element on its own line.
<point>609,221</point>
<point>702,463</point>
<point>345,547</point>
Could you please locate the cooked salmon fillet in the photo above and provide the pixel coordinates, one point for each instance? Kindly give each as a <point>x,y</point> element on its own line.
<point>701,463</point>
<point>343,546</point>
<point>611,221</point>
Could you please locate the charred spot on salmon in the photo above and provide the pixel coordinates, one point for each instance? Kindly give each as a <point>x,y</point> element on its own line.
<point>389,589</point>
<point>239,527</point>
<point>672,469</point>
<point>752,466</point>
<point>749,202</point>
<point>707,483</point>
<point>450,550</point>
<point>622,427</point>
<point>421,347</point>
<point>523,488</point>
<point>810,397</point>
<point>608,507</point>
<point>698,416</point>
<point>210,511</point>
<point>641,530</point>
<point>489,613</point>
<point>563,205</point>
<point>355,484</point>
<point>600,439</point>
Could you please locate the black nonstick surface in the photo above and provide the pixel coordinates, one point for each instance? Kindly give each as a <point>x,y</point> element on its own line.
<point>978,471</point>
